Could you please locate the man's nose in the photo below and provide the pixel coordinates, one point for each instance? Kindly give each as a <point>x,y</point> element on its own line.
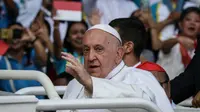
<point>91,56</point>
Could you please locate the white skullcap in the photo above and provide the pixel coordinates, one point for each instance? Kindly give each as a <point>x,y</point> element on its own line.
<point>108,29</point>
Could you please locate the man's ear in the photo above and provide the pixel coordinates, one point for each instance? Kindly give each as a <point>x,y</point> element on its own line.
<point>128,47</point>
<point>120,54</point>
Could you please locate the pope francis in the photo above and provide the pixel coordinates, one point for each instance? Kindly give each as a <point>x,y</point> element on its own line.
<point>104,74</point>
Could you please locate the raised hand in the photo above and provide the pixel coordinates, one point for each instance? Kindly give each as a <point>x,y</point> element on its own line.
<point>28,36</point>
<point>186,42</point>
<point>78,71</point>
<point>174,16</point>
<point>95,17</point>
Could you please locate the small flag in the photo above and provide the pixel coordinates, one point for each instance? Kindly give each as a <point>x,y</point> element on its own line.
<point>68,10</point>
<point>3,47</point>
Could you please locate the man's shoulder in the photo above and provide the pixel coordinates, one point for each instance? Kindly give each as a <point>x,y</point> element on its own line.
<point>137,70</point>
<point>140,73</point>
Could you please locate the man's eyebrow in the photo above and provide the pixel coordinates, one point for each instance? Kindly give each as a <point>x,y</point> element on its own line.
<point>85,46</point>
<point>98,45</point>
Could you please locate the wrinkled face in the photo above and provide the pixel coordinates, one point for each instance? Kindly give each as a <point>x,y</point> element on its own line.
<point>16,44</point>
<point>102,53</point>
<point>190,25</point>
<point>76,35</point>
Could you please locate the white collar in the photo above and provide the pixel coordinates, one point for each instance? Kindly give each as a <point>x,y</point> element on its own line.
<point>136,64</point>
<point>116,70</point>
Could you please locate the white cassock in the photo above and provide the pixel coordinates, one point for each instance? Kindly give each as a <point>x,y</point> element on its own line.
<point>122,82</point>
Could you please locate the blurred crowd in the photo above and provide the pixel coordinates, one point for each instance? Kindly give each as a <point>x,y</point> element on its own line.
<point>172,29</point>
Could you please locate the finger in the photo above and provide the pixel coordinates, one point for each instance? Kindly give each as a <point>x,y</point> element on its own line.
<point>39,31</point>
<point>54,12</point>
<point>28,31</point>
<point>39,23</point>
<point>73,70</point>
<point>77,62</point>
<point>64,54</point>
<point>69,55</point>
<point>72,61</point>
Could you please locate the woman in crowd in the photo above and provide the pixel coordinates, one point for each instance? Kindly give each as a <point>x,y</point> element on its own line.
<point>19,58</point>
<point>178,50</point>
<point>72,44</point>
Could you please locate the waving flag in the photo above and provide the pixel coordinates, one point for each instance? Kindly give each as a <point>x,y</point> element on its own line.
<point>68,10</point>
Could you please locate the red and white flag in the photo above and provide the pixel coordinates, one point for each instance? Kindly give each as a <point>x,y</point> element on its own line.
<point>68,10</point>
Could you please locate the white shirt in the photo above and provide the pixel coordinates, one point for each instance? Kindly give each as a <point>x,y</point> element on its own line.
<point>28,9</point>
<point>112,9</point>
<point>135,66</point>
<point>172,62</point>
<point>122,82</point>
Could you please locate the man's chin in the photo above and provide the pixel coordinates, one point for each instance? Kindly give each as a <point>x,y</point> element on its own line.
<point>95,74</point>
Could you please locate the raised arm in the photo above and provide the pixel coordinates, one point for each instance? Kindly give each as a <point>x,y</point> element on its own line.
<point>38,47</point>
<point>12,8</point>
<point>57,40</point>
<point>185,41</point>
<point>172,17</point>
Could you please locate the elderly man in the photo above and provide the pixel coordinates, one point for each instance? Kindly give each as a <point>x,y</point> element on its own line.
<point>104,74</point>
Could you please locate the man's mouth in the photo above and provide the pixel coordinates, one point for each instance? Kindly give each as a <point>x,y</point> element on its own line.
<point>93,66</point>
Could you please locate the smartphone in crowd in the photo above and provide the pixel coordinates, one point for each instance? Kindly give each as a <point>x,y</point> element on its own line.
<point>9,34</point>
<point>68,10</point>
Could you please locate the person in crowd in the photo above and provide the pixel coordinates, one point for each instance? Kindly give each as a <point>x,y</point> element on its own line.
<point>132,32</point>
<point>160,74</point>
<point>42,30</point>
<point>185,85</point>
<point>20,57</point>
<point>28,10</point>
<point>103,67</point>
<point>175,12</point>
<point>72,44</point>
<point>178,50</point>
<point>102,11</point>
<point>155,14</point>
<point>8,13</point>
